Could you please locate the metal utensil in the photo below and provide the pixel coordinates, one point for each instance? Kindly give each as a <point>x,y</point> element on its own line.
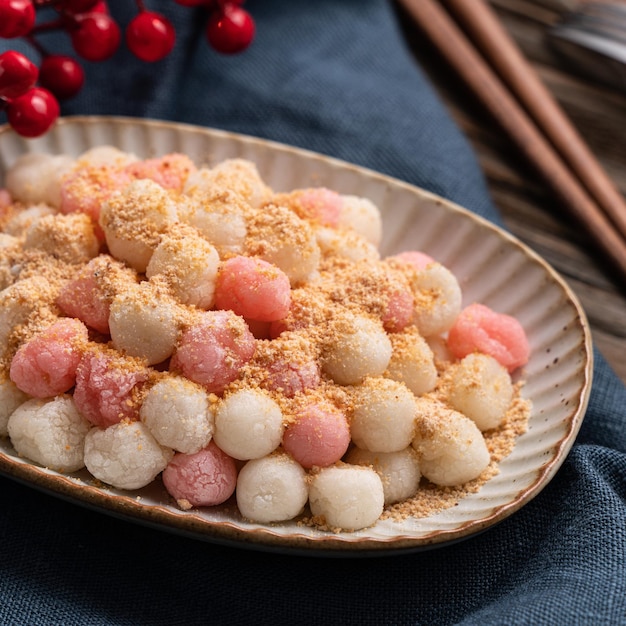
<point>592,39</point>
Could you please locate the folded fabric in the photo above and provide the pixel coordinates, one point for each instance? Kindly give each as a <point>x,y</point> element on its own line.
<point>332,76</point>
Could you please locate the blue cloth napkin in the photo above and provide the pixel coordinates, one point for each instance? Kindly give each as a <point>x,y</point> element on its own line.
<point>335,77</point>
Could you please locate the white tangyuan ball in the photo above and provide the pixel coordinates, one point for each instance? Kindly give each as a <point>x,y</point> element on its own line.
<point>412,361</point>
<point>178,413</point>
<point>271,489</point>
<point>248,424</point>
<point>70,238</point>
<point>199,182</point>
<point>189,265</point>
<point>451,449</point>
<point>134,219</point>
<point>239,175</point>
<point>19,300</point>
<point>383,415</point>
<point>346,496</point>
<point>106,155</point>
<point>480,388</point>
<point>346,244</point>
<point>10,398</point>
<point>144,322</point>
<point>399,471</point>
<point>220,217</point>
<point>277,235</point>
<point>36,178</point>
<point>356,347</point>
<point>125,455</point>
<point>441,352</point>
<point>243,177</point>
<point>438,299</point>
<point>50,432</point>
<point>22,220</point>
<point>362,216</point>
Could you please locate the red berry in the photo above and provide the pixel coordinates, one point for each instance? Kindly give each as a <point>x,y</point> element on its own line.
<point>17,74</point>
<point>33,113</point>
<point>231,29</point>
<point>62,75</point>
<point>150,36</point>
<point>100,7</point>
<point>96,36</point>
<point>17,17</point>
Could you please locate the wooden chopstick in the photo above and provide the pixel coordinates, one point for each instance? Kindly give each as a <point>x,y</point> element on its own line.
<point>459,52</point>
<point>488,33</point>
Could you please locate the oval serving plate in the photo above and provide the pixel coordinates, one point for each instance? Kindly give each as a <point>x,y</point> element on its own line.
<point>491,266</point>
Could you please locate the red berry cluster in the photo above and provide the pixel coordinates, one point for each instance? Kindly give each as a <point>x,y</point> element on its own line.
<point>30,95</point>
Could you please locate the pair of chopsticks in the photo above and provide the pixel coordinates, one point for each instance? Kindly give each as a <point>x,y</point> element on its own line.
<point>473,41</point>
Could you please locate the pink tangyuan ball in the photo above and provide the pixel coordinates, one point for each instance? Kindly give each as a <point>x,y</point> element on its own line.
<point>106,387</point>
<point>253,288</point>
<point>46,365</point>
<point>290,377</point>
<point>414,258</point>
<point>83,298</point>
<point>322,205</point>
<point>212,350</point>
<point>5,199</point>
<point>84,190</point>
<point>399,311</point>
<point>205,478</point>
<point>480,329</point>
<point>303,313</point>
<point>170,171</point>
<point>289,364</point>
<point>319,205</point>
<point>319,436</point>
<point>89,294</point>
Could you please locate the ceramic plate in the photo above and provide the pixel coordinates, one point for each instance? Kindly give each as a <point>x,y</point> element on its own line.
<point>492,267</point>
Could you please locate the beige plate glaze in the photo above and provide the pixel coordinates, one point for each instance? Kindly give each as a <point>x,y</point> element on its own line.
<point>492,267</point>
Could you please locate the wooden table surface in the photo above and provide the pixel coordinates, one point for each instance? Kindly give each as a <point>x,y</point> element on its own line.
<point>529,209</point>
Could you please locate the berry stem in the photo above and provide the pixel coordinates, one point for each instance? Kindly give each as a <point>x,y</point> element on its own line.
<point>57,24</point>
<point>43,53</point>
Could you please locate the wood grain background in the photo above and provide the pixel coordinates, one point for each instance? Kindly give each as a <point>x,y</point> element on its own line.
<point>530,211</point>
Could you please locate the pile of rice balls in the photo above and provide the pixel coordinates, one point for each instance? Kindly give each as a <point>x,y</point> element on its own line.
<point>165,321</point>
